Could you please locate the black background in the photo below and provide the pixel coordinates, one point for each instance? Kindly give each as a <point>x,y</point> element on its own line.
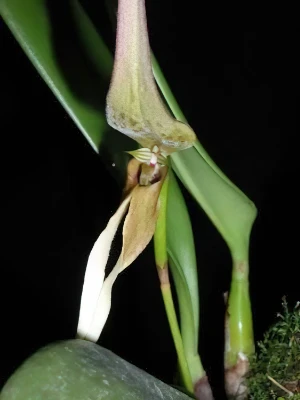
<point>238,88</point>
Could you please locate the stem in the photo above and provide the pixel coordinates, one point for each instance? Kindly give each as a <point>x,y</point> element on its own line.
<point>160,236</point>
<point>173,322</point>
<point>161,259</point>
<point>280,386</point>
<point>240,338</point>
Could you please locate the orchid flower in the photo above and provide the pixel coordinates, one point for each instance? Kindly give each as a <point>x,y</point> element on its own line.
<point>135,108</point>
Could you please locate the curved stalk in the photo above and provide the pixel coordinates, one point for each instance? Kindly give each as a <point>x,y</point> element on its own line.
<point>184,272</point>
<point>161,259</point>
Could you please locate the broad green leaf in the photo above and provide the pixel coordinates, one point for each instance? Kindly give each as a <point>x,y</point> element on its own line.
<point>76,65</point>
<point>226,205</point>
<point>230,211</point>
<point>82,370</point>
<point>31,25</point>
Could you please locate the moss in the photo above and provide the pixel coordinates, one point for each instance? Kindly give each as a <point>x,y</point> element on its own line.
<point>277,361</point>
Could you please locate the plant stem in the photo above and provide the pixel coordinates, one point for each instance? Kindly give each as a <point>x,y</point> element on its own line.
<point>173,322</point>
<point>280,386</point>
<point>239,339</point>
<point>161,259</point>
<point>160,236</point>
<point>240,329</point>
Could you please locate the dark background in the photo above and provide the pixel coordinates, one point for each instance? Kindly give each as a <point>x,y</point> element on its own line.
<point>238,88</point>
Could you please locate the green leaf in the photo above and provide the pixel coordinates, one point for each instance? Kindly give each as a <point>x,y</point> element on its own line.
<point>31,25</point>
<point>233,215</point>
<point>72,58</point>
<point>77,370</point>
<point>230,210</point>
<point>184,271</point>
<point>226,205</point>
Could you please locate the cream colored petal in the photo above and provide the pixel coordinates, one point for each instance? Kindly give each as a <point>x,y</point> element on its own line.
<point>134,104</point>
<point>95,273</point>
<point>103,304</point>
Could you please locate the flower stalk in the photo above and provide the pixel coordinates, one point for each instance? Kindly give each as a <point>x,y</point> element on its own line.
<point>161,259</point>
<point>166,291</point>
<point>190,367</point>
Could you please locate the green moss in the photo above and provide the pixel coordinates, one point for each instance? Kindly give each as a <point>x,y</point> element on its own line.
<point>277,361</point>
